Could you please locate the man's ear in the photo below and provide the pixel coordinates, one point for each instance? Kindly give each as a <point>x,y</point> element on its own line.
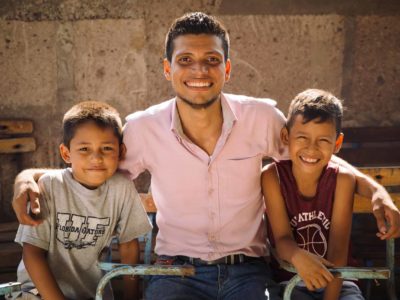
<point>285,136</point>
<point>339,142</point>
<point>228,68</point>
<point>167,69</point>
<point>65,154</point>
<point>122,151</point>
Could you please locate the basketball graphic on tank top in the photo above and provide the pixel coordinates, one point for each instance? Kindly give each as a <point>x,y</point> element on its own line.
<point>311,238</point>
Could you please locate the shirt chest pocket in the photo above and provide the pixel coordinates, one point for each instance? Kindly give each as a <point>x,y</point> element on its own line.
<point>240,177</point>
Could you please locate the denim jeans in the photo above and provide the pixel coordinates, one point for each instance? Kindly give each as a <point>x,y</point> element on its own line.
<point>249,280</point>
<point>349,291</point>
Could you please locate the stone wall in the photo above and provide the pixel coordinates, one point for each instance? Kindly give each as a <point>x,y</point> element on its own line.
<point>55,53</point>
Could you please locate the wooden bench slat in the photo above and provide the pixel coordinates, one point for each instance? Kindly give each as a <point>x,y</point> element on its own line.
<point>9,226</point>
<point>363,205</point>
<point>371,156</point>
<point>8,127</point>
<point>17,145</point>
<point>385,176</point>
<point>371,134</point>
<point>148,203</point>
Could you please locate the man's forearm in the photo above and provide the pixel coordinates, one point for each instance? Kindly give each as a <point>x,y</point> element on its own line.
<point>365,185</point>
<point>29,174</point>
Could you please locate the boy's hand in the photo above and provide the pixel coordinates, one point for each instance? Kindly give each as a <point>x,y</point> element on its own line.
<point>312,269</point>
<point>26,189</point>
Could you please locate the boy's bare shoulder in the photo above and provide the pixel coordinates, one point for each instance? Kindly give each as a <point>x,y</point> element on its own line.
<point>269,173</point>
<point>270,168</point>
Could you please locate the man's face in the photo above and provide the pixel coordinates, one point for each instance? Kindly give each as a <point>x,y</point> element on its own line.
<point>197,71</point>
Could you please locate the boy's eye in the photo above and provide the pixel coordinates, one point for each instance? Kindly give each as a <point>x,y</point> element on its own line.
<point>325,141</point>
<point>108,148</point>
<point>83,149</point>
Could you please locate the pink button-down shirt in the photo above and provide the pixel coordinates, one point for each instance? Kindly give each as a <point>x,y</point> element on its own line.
<point>208,206</point>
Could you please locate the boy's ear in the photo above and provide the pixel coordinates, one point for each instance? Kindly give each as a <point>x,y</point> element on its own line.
<point>339,142</point>
<point>285,136</point>
<point>167,69</point>
<point>122,151</point>
<point>65,154</point>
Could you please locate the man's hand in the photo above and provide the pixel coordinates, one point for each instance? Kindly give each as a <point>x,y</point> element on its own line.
<point>387,215</point>
<point>26,189</point>
<point>312,269</point>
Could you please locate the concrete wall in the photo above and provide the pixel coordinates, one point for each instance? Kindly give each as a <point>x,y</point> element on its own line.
<point>55,53</point>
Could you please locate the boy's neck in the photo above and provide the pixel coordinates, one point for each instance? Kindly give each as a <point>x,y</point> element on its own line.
<point>307,183</point>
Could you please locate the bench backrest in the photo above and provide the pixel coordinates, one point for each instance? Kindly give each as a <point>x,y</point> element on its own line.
<point>371,146</point>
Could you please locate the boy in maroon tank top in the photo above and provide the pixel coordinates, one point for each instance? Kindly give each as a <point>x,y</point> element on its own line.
<point>309,199</point>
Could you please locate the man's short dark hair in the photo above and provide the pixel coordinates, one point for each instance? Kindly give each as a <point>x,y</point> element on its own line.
<point>196,23</point>
<point>102,114</point>
<point>318,105</point>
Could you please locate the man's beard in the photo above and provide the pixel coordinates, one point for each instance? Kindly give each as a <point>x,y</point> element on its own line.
<point>199,105</point>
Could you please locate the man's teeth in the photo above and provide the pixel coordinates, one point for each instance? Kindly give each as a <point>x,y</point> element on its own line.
<point>198,84</point>
<point>309,160</point>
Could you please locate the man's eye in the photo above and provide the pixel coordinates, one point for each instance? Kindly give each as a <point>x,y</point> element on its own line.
<point>213,60</point>
<point>184,60</point>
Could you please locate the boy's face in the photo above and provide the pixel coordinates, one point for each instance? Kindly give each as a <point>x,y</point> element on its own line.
<point>197,70</point>
<point>93,154</point>
<point>312,144</point>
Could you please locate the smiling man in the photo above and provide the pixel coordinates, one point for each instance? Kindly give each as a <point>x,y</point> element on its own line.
<point>204,150</point>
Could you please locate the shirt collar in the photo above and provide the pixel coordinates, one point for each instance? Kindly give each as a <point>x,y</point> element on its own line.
<point>228,114</point>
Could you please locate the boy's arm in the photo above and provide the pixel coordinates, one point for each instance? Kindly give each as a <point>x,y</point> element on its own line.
<point>36,264</point>
<point>340,228</point>
<point>382,204</point>
<point>26,190</point>
<point>129,253</point>
<point>310,267</point>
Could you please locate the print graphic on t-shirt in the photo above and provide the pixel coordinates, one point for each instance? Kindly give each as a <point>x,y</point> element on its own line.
<point>311,238</point>
<point>75,231</point>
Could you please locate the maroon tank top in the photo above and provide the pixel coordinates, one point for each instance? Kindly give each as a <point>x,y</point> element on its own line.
<point>310,218</point>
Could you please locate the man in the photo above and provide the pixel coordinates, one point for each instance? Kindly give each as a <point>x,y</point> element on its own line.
<point>204,151</point>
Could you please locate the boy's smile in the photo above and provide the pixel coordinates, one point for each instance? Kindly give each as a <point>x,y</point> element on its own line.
<point>93,154</point>
<point>311,145</point>
<point>197,70</point>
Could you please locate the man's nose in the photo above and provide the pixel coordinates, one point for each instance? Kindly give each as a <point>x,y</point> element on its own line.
<point>200,67</point>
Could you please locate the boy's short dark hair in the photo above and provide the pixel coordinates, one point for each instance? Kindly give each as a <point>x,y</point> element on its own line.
<point>102,114</point>
<point>318,105</point>
<point>196,23</point>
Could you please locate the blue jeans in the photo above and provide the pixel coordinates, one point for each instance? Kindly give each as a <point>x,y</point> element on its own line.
<point>349,291</point>
<point>249,280</point>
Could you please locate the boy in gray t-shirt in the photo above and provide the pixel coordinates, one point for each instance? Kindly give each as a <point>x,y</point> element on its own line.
<point>83,207</point>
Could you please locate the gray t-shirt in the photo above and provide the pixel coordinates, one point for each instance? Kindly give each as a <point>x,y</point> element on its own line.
<point>79,223</point>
